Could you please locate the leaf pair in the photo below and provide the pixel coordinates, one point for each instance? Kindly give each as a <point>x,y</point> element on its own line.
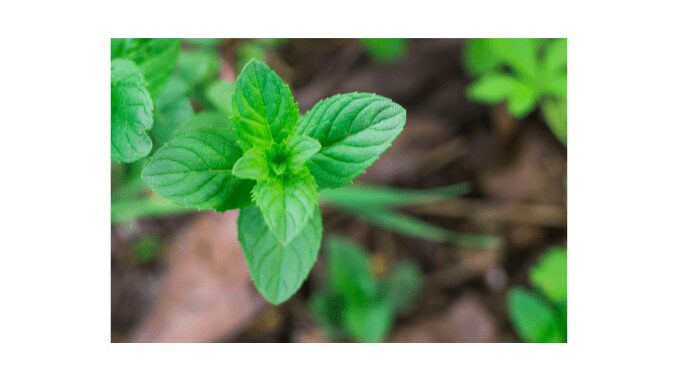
<point>353,302</point>
<point>520,71</point>
<point>541,317</point>
<point>271,158</point>
<point>139,70</point>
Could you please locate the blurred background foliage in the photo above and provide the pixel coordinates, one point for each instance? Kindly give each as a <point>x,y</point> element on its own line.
<point>457,235</point>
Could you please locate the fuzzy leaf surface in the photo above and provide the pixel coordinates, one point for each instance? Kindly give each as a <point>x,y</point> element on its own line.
<point>264,109</point>
<point>354,130</point>
<point>131,113</point>
<point>278,269</point>
<point>156,57</point>
<point>287,203</point>
<point>194,169</point>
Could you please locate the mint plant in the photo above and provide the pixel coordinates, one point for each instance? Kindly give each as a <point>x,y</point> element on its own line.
<point>271,163</point>
<point>541,316</point>
<point>353,303</point>
<point>523,72</point>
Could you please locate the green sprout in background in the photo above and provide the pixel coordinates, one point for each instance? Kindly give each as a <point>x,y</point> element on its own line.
<point>353,303</point>
<point>384,50</point>
<point>540,316</point>
<point>526,73</point>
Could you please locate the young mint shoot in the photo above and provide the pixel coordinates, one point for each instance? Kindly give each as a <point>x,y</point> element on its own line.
<point>353,302</point>
<point>271,164</point>
<point>523,72</point>
<point>540,316</point>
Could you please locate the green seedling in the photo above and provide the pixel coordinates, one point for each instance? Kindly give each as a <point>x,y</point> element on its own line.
<point>540,316</point>
<point>385,50</point>
<point>146,249</point>
<point>270,163</point>
<point>353,303</point>
<point>523,72</point>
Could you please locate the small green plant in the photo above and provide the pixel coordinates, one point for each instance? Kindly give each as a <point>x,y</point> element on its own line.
<point>353,303</point>
<point>146,249</point>
<point>271,163</point>
<point>541,316</point>
<point>385,50</point>
<point>525,73</point>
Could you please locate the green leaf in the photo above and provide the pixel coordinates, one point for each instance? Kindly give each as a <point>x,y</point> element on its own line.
<point>197,67</point>
<point>286,203</point>
<point>349,271</point>
<point>301,148</point>
<point>402,285</point>
<point>519,53</point>
<point>208,119</point>
<point>328,309</point>
<point>555,85</point>
<point>555,115</point>
<point>404,224</point>
<point>555,56</point>
<point>264,109</point>
<point>369,323</point>
<point>156,57</point>
<point>172,109</point>
<point>533,319</point>
<point>194,170</point>
<point>385,50</point>
<point>252,165</point>
<point>278,269</point>
<point>372,196</point>
<point>523,100</point>
<point>354,130</point>
<point>131,112</point>
<point>219,95</point>
<point>479,58</point>
<point>550,275</point>
<point>492,88</point>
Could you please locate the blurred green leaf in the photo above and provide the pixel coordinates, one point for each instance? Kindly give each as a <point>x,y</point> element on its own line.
<point>130,210</point>
<point>352,302</point>
<point>156,57</point>
<point>522,100</point>
<point>197,67</point>
<point>385,50</point>
<point>402,285</point>
<point>349,271</point>
<point>533,319</point>
<point>555,115</point>
<point>146,249</point>
<point>493,88</point>
<point>479,57</point>
<point>359,195</point>
<point>219,95</point>
<point>208,119</point>
<point>550,275</point>
<point>413,227</point>
<point>519,53</point>
<point>555,56</point>
<point>173,108</point>
<point>369,323</point>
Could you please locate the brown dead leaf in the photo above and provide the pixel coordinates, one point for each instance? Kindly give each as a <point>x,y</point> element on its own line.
<point>207,294</point>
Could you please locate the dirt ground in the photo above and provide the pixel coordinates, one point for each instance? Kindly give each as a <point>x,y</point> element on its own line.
<point>198,288</point>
